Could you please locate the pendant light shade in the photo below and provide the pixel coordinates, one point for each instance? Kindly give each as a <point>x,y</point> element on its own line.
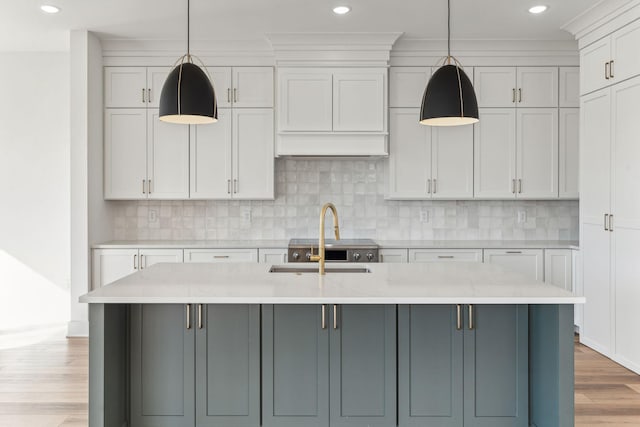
<point>188,97</point>
<point>449,99</point>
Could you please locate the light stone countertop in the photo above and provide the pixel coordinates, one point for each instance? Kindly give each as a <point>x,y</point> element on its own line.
<point>252,283</point>
<point>385,244</point>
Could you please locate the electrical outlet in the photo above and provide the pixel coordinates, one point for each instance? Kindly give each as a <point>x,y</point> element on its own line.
<point>246,216</point>
<point>153,215</point>
<point>522,217</point>
<point>424,215</point>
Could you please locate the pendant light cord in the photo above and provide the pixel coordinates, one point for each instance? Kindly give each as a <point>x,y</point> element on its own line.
<point>449,28</point>
<point>188,28</point>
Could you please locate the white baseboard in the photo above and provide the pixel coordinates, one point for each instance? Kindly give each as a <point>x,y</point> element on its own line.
<point>627,364</point>
<point>78,328</point>
<point>595,346</point>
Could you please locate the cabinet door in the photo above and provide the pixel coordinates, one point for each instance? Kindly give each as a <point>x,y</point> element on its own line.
<point>569,157</point>
<point>528,262</point>
<point>305,100</point>
<point>253,87</point>
<point>393,255</point>
<point>110,265</point>
<point>495,86</point>
<point>624,52</point>
<point>627,296</point>
<point>445,255</point>
<point>156,76</point>
<point>593,60</point>
<point>363,366</point>
<point>537,153</point>
<point>452,150</point>
<point>409,155</point>
<point>273,256</point>
<point>125,153</point>
<point>125,87</point>
<point>558,268</point>
<point>595,157</point>
<point>221,80</point>
<point>220,255</point>
<point>295,366</point>
<point>496,366</point>
<point>494,154</point>
<point>407,86</point>
<point>162,366</point>
<point>569,87</point>
<point>537,87</point>
<point>168,159</point>
<point>430,366</point>
<point>596,331</point>
<point>210,157</point>
<point>359,101</point>
<point>148,257</point>
<point>228,366</point>
<point>253,154</point>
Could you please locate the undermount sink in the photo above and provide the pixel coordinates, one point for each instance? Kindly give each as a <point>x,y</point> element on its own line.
<point>299,269</point>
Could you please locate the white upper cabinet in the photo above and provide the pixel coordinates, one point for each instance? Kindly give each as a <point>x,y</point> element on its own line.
<point>537,153</point>
<point>495,86</point>
<point>569,153</point>
<point>502,87</point>
<point>409,155</point>
<point>211,158</point>
<point>611,59</point>
<point>222,85</point>
<point>252,87</point>
<point>168,159</point>
<point>133,87</point>
<point>125,153</point>
<point>569,96</point>
<point>359,101</point>
<point>305,100</point>
<point>495,154</point>
<point>407,86</point>
<point>234,157</point>
<point>452,162</point>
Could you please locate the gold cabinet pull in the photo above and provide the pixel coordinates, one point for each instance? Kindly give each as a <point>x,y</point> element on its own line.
<point>513,96</point>
<point>335,316</point>
<point>143,100</point>
<point>471,325</point>
<point>149,95</point>
<point>606,222</point>
<point>611,223</point>
<point>513,186</point>
<point>228,95</point>
<point>429,186</point>
<point>611,69</point>
<point>199,316</point>
<point>235,94</point>
<point>458,317</point>
<point>144,182</point>
<point>323,317</point>
<point>135,265</point>
<point>606,71</point>
<point>520,186</point>
<point>188,316</point>
<point>141,262</point>
<point>519,95</point>
<point>149,187</point>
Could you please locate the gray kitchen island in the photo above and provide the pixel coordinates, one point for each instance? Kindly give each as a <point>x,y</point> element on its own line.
<point>366,345</point>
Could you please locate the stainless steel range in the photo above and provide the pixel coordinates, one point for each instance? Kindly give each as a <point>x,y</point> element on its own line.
<point>343,250</point>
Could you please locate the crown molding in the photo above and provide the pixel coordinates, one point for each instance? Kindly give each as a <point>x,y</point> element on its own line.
<point>332,49</point>
<point>601,19</point>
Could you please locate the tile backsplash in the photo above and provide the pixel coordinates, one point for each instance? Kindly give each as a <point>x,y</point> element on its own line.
<point>357,189</point>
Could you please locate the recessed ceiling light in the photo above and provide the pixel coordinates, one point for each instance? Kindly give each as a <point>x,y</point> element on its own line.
<point>48,8</point>
<point>538,9</point>
<point>341,10</point>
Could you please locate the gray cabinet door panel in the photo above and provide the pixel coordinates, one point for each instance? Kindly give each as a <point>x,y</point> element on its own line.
<point>228,366</point>
<point>295,366</point>
<point>496,367</point>
<point>430,366</point>
<point>162,367</point>
<point>363,366</point>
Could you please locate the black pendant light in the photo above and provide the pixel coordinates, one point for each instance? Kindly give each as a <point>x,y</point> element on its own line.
<point>449,99</point>
<point>187,95</point>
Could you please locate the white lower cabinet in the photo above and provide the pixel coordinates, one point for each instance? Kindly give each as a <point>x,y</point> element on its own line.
<point>445,255</point>
<point>110,265</point>
<point>220,255</point>
<point>273,256</point>
<point>558,268</point>
<point>393,256</point>
<point>529,262</point>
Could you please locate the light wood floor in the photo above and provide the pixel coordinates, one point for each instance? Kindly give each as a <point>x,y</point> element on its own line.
<point>45,385</point>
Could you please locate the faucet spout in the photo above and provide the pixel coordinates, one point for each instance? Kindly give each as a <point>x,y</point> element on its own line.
<point>320,258</point>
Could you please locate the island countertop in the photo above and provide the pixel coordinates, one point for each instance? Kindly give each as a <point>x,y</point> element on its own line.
<point>251,283</point>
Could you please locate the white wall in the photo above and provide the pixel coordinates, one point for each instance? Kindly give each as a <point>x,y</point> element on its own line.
<point>34,189</point>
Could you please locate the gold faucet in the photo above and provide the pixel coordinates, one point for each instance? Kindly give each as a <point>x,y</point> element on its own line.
<point>336,229</point>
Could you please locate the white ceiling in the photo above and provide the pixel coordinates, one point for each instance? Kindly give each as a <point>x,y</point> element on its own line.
<point>24,27</point>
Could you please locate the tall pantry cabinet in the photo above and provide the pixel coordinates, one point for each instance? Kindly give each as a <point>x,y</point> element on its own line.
<point>610,201</point>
